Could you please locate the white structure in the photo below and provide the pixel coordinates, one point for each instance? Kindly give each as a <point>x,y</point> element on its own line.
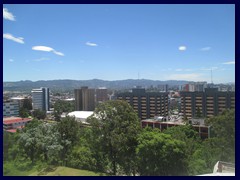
<point>222,169</point>
<point>81,116</point>
<point>40,99</point>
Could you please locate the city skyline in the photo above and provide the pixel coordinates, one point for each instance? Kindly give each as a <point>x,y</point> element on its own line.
<point>116,42</point>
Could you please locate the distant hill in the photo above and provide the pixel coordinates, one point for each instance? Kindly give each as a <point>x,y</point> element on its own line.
<point>94,83</point>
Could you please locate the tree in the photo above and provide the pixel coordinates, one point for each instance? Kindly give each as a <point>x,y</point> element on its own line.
<point>23,113</point>
<point>223,129</point>
<point>116,127</point>
<point>68,128</point>
<point>39,114</point>
<point>27,104</point>
<point>160,155</point>
<point>62,106</point>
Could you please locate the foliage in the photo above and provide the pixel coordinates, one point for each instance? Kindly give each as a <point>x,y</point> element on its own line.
<point>68,130</point>
<point>23,113</point>
<point>39,114</point>
<point>160,155</point>
<point>116,126</point>
<point>61,106</point>
<point>27,104</point>
<point>223,129</point>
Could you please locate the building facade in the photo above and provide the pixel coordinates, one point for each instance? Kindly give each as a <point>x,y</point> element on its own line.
<point>10,108</point>
<point>209,103</point>
<point>84,99</point>
<point>40,99</point>
<point>11,124</point>
<point>101,95</point>
<point>146,104</point>
<point>203,131</point>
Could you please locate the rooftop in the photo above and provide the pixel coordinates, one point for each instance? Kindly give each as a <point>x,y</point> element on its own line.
<point>11,120</point>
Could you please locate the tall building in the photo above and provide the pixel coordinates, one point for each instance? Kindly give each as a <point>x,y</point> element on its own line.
<point>146,104</point>
<point>10,108</point>
<point>101,95</point>
<point>84,99</point>
<point>210,103</point>
<point>40,99</point>
<point>163,87</point>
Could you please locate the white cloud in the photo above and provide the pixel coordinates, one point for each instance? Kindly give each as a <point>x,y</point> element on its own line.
<point>7,15</point>
<point>230,62</point>
<point>91,44</point>
<point>58,53</point>
<point>11,60</point>
<point>179,69</point>
<point>41,59</point>
<point>189,77</point>
<point>205,49</point>
<point>48,49</point>
<point>11,37</point>
<point>182,48</point>
<point>209,69</point>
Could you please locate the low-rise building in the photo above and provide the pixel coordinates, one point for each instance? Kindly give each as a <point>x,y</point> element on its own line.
<point>11,124</point>
<point>204,131</point>
<point>81,116</point>
<point>10,108</point>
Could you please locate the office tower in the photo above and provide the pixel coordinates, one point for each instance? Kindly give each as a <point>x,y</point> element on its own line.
<point>210,103</point>
<point>163,87</point>
<point>84,99</point>
<point>40,99</point>
<point>146,104</point>
<point>101,95</point>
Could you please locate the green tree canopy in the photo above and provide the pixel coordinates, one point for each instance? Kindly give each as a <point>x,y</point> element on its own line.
<point>116,125</point>
<point>61,106</point>
<point>39,114</point>
<point>160,155</point>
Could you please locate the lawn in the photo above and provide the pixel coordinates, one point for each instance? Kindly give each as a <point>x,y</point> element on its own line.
<point>65,171</point>
<point>10,169</point>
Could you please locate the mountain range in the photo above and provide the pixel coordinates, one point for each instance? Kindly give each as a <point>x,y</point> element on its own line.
<point>68,84</point>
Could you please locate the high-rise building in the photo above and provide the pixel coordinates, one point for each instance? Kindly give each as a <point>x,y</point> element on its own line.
<point>40,99</point>
<point>209,103</point>
<point>84,99</point>
<point>146,104</point>
<point>101,95</point>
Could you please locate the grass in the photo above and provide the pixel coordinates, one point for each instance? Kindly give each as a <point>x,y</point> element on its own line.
<point>10,169</point>
<point>66,171</point>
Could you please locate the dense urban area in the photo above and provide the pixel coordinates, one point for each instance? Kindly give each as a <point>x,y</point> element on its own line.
<point>137,129</point>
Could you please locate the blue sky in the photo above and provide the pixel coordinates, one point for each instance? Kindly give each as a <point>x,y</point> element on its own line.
<point>115,42</point>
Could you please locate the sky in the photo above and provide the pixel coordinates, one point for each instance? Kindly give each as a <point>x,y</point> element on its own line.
<point>117,42</point>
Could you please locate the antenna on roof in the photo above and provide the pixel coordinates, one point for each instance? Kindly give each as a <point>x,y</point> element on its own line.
<point>138,79</point>
<point>211,76</point>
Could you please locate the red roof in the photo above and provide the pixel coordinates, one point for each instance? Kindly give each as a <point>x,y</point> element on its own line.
<point>12,130</point>
<point>15,120</point>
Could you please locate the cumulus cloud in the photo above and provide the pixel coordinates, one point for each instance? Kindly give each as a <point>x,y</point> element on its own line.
<point>47,49</point>
<point>205,49</point>
<point>182,48</point>
<point>91,44</point>
<point>229,62</point>
<point>8,15</point>
<point>11,37</point>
